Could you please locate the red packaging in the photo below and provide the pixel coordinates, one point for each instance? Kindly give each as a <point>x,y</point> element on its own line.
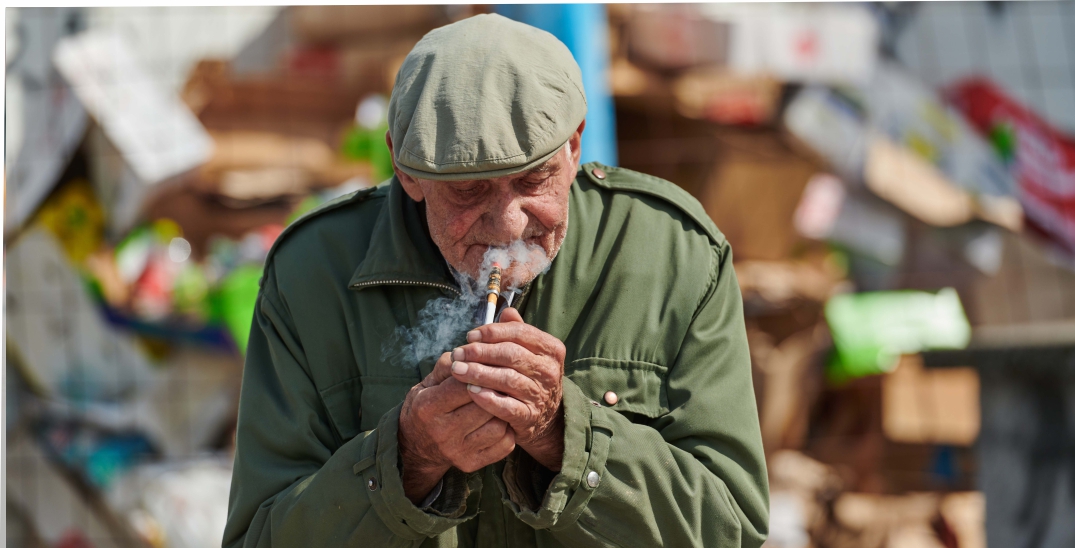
<point>1040,157</point>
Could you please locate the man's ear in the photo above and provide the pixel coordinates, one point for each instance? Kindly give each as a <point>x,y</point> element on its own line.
<point>576,144</point>
<point>410,186</point>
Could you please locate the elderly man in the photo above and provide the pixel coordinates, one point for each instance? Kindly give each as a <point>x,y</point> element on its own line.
<point>612,406</point>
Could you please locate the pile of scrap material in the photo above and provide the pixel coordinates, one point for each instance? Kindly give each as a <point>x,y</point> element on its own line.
<point>97,402</point>
<point>809,507</point>
<point>302,107</point>
<point>870,217</point>
<point>728,64</point>
<point>135,253</point>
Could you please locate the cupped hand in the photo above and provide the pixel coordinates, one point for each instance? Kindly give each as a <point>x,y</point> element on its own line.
<point>515,373</point>
<point>440,426</point>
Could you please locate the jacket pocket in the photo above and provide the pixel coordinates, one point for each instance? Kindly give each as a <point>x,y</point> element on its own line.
<point>356,405</point>
<point>638,385</point>
<point>341,401</point>
<point>379,394</point>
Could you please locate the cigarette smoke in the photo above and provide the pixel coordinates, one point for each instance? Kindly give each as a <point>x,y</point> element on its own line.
<point>520,262</point>
<point>443,323</point>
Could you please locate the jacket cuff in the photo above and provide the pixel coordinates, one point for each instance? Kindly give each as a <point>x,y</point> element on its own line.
<point>452,500</point>
<point>526,479</point>
<point>433,495</point>
<point>586,440</point>
<point>382,478</point>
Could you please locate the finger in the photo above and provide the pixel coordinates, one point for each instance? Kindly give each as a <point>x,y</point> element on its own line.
<point>502,379</point>
<point>510,315</point>
<point>525,335</point>
<point>443,398</point>
<point>504,354</point>
<point>467,418</point>
<point>503,406</point>
<point>441,370</point>
<point>485,456</point>
<point>497,451</point>
<point>490,432</point>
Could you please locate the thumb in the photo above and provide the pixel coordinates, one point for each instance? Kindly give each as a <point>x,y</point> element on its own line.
<point>441,371</point>
<point>511,315</point>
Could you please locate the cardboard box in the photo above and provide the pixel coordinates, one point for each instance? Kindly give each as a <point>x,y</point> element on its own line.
<point>791,379</point>
<point>366,68</point>
<point>673,37</point>
<point>294,106</point>
<point>724,97</point>
<point>261,165</point>
<point>322,24</point>
<point>938,406</point>
<point>752,194</point>
<point>811,506</point>
<point>1032,286</point>
<point>915,520</point>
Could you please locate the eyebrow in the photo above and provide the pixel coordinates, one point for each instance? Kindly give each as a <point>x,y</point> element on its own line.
<point>547,168</point>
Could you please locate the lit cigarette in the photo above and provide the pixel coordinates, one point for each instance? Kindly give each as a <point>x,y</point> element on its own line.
<point>493,292</point>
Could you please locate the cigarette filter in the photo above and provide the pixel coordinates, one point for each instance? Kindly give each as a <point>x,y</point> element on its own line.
<point>493,289</point>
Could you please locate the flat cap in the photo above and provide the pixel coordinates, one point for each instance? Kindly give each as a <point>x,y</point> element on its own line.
<point>481,98</point>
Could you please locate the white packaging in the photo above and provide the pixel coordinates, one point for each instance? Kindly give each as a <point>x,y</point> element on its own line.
<point>156,133</point>
<point>834,44</point>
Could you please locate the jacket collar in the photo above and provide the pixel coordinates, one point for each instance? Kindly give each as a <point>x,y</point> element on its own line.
<point>401,251</point>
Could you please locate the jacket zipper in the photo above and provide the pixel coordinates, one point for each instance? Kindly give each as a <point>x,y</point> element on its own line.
<point>407,282</point>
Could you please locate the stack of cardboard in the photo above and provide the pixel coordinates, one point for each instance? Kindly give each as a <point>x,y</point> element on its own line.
<point>810,506</point>
<point>931,406</point>
<point>753,190</point>
<point>279,116</point>
<point>678,52</point>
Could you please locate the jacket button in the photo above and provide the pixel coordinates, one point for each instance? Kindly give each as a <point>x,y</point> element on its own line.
<point>611,398</point>
<point>598,173</point>
<point>372,484</point>
<point>592,479</point>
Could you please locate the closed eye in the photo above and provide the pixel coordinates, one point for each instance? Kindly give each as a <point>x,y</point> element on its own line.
<point>534,186</point>
<point>468,193</point>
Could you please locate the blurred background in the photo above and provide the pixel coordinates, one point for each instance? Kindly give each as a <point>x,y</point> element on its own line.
<point>897,181</point>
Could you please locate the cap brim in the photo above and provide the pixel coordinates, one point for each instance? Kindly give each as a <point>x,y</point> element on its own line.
<point>477,175</point>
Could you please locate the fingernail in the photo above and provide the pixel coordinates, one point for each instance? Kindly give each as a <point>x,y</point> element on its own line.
<point>460,368</point>
<point>458,354</point>
<point>474,388</point>
<point>474,336</point>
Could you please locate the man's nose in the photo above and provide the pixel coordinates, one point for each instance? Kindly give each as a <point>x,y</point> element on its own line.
<point>507,218</point>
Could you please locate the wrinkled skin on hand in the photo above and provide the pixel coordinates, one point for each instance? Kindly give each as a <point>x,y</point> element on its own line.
<point>515,373</point>
<point>501,389</point>
<point>440,426</point>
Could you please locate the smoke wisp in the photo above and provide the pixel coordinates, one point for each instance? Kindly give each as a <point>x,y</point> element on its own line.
<point>443,323</point>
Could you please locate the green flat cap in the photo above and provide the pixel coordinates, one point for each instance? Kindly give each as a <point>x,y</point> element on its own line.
<point>481,98</point>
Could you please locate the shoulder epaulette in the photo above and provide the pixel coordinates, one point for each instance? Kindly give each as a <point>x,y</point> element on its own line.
<point>618,178</point>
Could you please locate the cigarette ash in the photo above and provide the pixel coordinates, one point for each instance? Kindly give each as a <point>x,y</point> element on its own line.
<point>443,323</point>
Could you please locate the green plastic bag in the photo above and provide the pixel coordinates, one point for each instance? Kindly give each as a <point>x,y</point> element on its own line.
<point>237,296</point>
<point>871,330</point>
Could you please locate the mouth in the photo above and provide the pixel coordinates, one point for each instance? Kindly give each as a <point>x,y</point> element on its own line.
<point>529,241</point>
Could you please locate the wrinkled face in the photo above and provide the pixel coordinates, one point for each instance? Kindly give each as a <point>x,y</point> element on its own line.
<point>465,218</point>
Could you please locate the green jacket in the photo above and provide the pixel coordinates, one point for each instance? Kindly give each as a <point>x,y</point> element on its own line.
<point>645,299</point>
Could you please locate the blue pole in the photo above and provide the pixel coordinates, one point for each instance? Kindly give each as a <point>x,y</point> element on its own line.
<point>583,28</point>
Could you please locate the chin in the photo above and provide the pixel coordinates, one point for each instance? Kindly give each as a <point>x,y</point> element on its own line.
<point>518,276</point>
<point>471,261</point>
